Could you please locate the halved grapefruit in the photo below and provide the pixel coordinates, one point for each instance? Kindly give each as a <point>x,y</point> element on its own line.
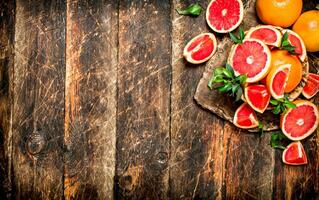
<point>270,35</point>
<point>224,16</point>
<point>258,97</point>
<point>294,154</point>
<point>252,57</point>
<point>277,80</point>
<point>312,86</point>
<point>300,122</point>
<point>295,40</point>
<point>201,48</point>
<point>245,117</point>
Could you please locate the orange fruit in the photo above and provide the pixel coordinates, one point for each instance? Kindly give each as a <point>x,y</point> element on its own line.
<point>279,12</point>
<point>307,26</point>
<point>281,57</point>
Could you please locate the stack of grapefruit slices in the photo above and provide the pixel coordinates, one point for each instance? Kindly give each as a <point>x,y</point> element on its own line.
<point>267,69</point>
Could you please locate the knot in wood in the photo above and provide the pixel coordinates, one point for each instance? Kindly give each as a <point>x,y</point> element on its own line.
<point>162,157</point>
<point>35,143</point>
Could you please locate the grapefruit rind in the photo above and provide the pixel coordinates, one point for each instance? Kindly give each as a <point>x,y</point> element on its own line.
<point>252,117</point>
<point>241,16</point>
<point>303,55</point>
<point>310,131</point>
<point>265,69</point>
<point>271,77</point>
<point>314,80</point>
<point>260,110</point>
<point>277,43</point>
<point>188,54</point>
<point>301,153</point>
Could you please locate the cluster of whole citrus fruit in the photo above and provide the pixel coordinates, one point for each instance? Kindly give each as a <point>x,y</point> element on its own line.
<point>267,67</point>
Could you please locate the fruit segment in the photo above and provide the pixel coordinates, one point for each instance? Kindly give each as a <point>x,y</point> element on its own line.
<point>296,41</point>
<point>294,154</point>
<point>300,122</point>
<point>258,97</point>
<point>224,16</point>
<point>200,48</point>
<point>245,117</point>
<point>312,86</point>
<point>270,35</point>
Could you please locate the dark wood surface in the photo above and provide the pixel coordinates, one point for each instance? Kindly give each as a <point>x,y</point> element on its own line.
<point>97,102</point>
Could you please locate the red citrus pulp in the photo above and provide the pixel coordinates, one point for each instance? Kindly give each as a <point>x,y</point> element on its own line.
<point>312,86</point>
<point>294,154</point>
<point>258,97</point>
<point>245,117</point>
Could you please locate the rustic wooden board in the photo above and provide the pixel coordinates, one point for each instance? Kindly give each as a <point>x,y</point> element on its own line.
<point>38,108</point>
<point>7,10</point>
<point>90,116</point>
<point>143,109</point>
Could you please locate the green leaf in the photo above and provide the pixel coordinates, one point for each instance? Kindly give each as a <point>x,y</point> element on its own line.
<point>218,71</point>
<point>235,88</point>
<point>277,139</point>
<point>239,93</point>
<point>194,9</point>
<point>285,43</point>
<point>277,110</point>
<point>274,102</point>
<point>288,48</point>
<point>242,79</point>
<point>210,83</point>
<point>284,37</point>
<point>225,88</point>
<point>234,38</point>
<point>241,33</point>
<point>289,104</point>
<point>230,69</point>
<point>228,73</point>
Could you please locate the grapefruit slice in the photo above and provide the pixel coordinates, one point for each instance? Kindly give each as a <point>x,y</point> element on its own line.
<point>245,117</point>
<point>224,16</point>
<point>270,35</point>
<point>201,48</point>
<point>295,40</point>
<point>300,122</point>
<point>252,57</point>
<point>258,97</point>
<point>294,154</point>
<point>277,80</point>
<point>312,86</point>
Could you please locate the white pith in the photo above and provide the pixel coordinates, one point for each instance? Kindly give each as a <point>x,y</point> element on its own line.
<point>250,60</point>
<point>188,54</point>
<point>224,12</point>
<point>241,16</point>
<point>311,131</point>
<point>281,68</point>
<point>300,122</point>
<point>251,117</point>
<point>273,28</point>
<point>300,153</point>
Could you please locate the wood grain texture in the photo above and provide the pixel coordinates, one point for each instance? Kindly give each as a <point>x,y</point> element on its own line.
<point>7,20</point>
<point>143,115</point>
<point>90,117</point>
<point>38,114</point>
<point>197,136</point>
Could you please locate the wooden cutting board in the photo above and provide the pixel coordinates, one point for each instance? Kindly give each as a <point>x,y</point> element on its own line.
<point>221,104</point>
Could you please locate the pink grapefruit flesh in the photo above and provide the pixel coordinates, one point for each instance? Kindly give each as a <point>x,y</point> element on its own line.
<point>312,86</point>
<point>201,48</point>
<point>258,97</point>
<point>245,117</point>
<point>277,79</point>
<point>270,35</point>
<point>252,58</point>
<point>224,16</point>
<point>294,154</point>
<point>295,40</point>
<point>300,122</point>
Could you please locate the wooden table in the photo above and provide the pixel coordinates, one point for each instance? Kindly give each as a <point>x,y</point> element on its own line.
<point>97,102</point>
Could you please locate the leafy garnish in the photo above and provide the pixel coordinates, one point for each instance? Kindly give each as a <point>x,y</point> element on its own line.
<point>238,39</point>
<point>194,9</point>
<point>261,128</point>
<point>224,80</point>
<point>285,45</point>
<point>278,140</point>
<point>281,104</point>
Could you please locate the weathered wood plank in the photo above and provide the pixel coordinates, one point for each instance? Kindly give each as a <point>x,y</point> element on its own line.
<point>7,19</point>
<point>38,113</point>
<point>143,115</point>
<point>197,136</point>
<point>90,117</point>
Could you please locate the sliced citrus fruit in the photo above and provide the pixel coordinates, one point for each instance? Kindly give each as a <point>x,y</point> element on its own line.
<point>224,16</point>
<point>294,154</point>
<point>300,122</point>
<point>295,40</point>
<point>281,57</point>
<point>245,117</point>
<point>201,48</point>
<point>252,57</point>
<point>312,86</point>
<point>270,35</point>
<point>277,80</point>
<point>258,97</point>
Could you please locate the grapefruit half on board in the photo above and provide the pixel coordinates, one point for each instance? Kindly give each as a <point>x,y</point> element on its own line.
<point>258,97</point>
<point>201,48</point>
<point>270,35</point>
<point>224,16</point>
<point>252,57</point>
<point>295,40</point>
<point>312,86</point>
<point>245,117</point>
<point>300,122</point>
<point>277,80</point>
<point>294,154</point>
